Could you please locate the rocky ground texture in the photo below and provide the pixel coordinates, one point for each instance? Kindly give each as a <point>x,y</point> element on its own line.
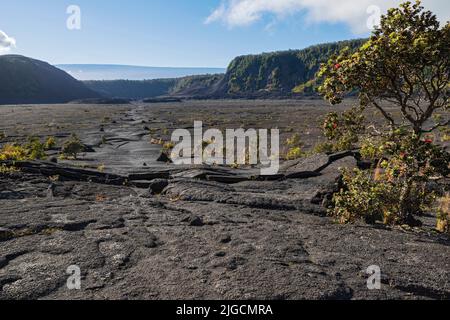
<point>158,231</point>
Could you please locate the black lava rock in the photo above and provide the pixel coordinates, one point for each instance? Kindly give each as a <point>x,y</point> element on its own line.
<point>5,234</point>
<point>225,239</point>
<point>196,222</point>
<point>158,185</point>
<point>164,158</point>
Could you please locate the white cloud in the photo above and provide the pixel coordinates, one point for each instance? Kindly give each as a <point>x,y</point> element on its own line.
<point>6,42</point>
<point>235,13</point>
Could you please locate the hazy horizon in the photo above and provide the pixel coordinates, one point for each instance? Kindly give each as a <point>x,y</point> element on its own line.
<point>86,72</point>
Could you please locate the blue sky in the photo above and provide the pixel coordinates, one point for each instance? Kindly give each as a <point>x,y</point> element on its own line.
<point>176,33</point>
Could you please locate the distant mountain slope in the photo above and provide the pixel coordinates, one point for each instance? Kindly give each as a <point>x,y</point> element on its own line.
<point>277,74</point>
<point>284,72</point>
<point>132,89</point>
<point>25,80</point>
<point>86,72</point>
<point>198,86</point>
<point>190,86</point>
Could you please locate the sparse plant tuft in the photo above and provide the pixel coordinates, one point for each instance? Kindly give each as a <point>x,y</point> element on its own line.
<point>50,143</point>
<point>443,218</point>
<point>295,147</point>
<point>32,150</point>
<point>72,147</point>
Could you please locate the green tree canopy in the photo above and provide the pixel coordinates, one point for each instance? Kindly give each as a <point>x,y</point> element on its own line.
<point>406,62</point>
